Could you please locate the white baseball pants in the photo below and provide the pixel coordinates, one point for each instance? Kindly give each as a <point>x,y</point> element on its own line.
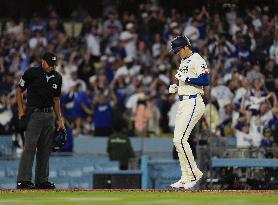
<point>190,110</point>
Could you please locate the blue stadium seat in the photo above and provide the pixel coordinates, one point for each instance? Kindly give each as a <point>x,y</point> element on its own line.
<point>65,171</point>
<point>231,142</point>
<point>7,183</point>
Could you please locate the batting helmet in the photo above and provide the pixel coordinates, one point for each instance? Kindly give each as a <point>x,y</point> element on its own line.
<point>60,138</point>
<point>179,42</point>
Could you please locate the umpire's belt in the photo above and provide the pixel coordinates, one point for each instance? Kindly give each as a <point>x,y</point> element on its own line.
<point>183,97</point>
<point>43,109</point>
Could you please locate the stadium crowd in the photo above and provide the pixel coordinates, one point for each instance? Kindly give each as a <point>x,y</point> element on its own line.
<point>119,67</point>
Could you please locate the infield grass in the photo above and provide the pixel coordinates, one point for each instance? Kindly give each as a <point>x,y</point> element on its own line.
<point>137,198</point>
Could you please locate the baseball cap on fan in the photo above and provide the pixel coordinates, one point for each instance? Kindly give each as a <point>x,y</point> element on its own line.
<point>50,58</point>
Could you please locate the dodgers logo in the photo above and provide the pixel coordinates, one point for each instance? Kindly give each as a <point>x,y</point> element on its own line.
<point>184,69</point>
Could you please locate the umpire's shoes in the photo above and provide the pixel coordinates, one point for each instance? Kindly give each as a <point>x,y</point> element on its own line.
<point>45,185</point>
<point>25,185</point>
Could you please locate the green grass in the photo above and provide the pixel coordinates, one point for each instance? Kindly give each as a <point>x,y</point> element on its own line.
<point>137,198</point>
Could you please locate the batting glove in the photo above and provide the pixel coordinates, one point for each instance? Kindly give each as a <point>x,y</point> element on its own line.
<point>173,88</point>
<point>182,77</point>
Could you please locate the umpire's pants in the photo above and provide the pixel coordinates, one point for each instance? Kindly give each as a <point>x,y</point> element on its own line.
<point>190,110</point>
<point>38,139</point>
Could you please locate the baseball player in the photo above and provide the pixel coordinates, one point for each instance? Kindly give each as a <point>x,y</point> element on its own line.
<point>192,75</point>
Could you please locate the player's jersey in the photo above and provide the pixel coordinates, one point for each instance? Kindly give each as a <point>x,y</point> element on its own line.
<point>192,67</point>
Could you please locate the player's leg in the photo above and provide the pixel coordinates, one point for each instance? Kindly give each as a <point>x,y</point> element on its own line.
<point>184,170</point>
<point>182,118</point>
<point>31,138</point>
<point>182,160</point>
<point>191,112</point>
<point>197,113</point>
<point>197,174</point>
<point>44,149</point>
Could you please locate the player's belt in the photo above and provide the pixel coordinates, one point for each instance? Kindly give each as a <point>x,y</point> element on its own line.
<point>183,97</point>
<point>43,109</point>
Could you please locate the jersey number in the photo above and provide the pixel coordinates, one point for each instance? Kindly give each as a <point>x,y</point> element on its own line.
<point>22,82</point>
<point>54,86</point>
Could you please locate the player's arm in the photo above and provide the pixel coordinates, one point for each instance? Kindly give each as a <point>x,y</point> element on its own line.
<point>173,88</point>
<point>201,80</point>
<point>57,107</point>
<point>58,113</point>
<point>20,103</point>
<point>22,85</point>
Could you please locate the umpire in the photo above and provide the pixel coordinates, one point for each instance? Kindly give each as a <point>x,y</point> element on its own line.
<point>43,86</point>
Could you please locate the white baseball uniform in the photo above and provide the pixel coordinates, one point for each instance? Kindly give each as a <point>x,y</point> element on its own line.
<point>190,110</point>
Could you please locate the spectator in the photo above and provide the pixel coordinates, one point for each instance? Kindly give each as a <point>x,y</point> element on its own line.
<point>270,73</point>
<point>273,50</point>
<point>55,31</point>
<point>267,141</point>
<point>226,124</point>
<point>255,18</point>
<point>144,55</point>
<point>192,32</point>
<point>153,123</point>
<point>243,137</point>
<point>14,27</point>
<point>255,97</point>
<point>119,147</point>
<point>142,117</point>
<point>112,23</point>
<point>38,40</point>
<point>82,108</point>
<point>37,23</point>
<point>103,113</point>
<point>93,43</point>
<point>129,40</point>
<point>239,26</point>
<point>221,48</point>
<point>211,115</point>
<point>223,94</point>
<point>120,89</point>
<point>217,24</point>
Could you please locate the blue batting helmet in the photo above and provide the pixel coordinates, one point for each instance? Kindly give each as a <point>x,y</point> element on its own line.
<point>179,42</point>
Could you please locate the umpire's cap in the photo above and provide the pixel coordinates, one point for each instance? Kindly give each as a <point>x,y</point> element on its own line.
<point>179,42</point>
<point>50,58</point>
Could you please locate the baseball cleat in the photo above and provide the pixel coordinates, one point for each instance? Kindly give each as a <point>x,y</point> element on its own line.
<point>186,183</point>
<point>178,184</point>
<point>190,185</point>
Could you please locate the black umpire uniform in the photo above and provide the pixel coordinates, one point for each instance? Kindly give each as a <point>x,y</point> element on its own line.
<point>43,86</point>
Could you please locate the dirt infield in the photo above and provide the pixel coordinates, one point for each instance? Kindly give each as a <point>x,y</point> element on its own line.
<point>144,190</point>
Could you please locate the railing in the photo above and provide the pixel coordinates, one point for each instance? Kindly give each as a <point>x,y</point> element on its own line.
<point>238,168</point>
